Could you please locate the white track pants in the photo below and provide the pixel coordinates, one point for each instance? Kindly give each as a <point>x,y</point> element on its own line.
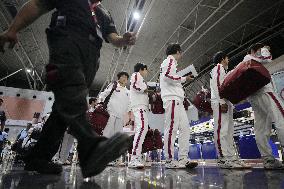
<point>141,128</point>
<point>176,119</point>
<point>114,125</point>
<point>224,131</point>
<point>267,109</point>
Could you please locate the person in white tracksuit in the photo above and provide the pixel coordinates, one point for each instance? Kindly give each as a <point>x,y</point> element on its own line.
<point>267,109</point>
<point>140,107</point>
<point>223,117</point>
<point>118,106</point>
<point>172,94</point>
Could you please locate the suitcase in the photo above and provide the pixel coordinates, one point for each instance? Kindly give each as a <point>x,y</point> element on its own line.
<point>202,101</point>
<point>247,78</point>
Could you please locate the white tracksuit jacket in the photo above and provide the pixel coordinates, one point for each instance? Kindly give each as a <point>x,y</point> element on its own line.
<point>267,109</point>
<point>170,82</point>
<point>175,115</point>
<point>223,122</point>
<point>139,101</point>
<point>118,106</point>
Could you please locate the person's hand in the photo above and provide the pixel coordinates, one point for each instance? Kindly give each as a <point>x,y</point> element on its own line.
<point>129,38</point>
<point>224,108</point>
<point>189,78</point>
<point>9,38</point>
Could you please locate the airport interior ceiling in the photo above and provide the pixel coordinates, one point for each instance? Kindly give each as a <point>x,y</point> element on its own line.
<point>202,27</point>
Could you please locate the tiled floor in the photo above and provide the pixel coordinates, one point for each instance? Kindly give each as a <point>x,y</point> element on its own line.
<point>205,176</point>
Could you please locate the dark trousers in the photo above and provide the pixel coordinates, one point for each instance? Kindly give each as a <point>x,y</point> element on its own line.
<point>73,63</point>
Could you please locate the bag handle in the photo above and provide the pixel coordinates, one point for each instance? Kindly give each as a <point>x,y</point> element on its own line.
<point>110,94</point>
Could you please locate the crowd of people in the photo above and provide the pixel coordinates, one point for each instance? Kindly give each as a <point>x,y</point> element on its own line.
<point>74,42</point>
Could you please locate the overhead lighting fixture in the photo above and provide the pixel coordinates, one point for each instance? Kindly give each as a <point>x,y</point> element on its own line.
<point>136,15</point>
<point>28,70</point>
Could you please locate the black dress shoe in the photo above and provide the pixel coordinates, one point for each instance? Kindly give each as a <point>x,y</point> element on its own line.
<point>105,152</point>
<point>43,166</point>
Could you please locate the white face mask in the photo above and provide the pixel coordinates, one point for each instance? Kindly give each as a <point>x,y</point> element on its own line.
<point>264,55</point>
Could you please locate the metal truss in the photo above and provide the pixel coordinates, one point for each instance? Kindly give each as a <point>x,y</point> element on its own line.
<point>196,29</point>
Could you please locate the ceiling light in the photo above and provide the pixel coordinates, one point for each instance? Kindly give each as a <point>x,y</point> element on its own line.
<point>28,70</point>
<point>136,15</point>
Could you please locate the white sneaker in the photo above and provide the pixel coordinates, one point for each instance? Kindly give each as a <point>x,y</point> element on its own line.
<point>186,163</point>
<point>136,162</point>
<point>148,164</point>
<point>231,164</point>
<point>272,164</point>
<point>172,164</point>
<point>116,163</point>
<point>243,164</point>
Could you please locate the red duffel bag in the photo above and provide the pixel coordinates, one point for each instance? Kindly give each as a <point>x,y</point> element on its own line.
<point>100,116</point>
<point>157,104</point>
<point>202,101</point>
<point>99,119</point>
<point>152,141</point>
<point>247,78</point>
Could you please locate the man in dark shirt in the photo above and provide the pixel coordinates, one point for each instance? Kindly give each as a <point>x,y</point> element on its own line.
<point>74,39</point>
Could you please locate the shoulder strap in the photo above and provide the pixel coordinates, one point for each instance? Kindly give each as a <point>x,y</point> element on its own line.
<point>110,94</point>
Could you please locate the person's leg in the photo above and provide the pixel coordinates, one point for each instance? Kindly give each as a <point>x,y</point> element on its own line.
<point>231,150</point>
<point>141,128</point>
<point>184,135</point>
<point>223,138</point>
<point>217,129</point>
<point>276,112</point>
<point>184,131</point>
<point>262,126</point>
<point>110,127</point>
<point>118,126</point>
<point>170,130</point>
<point>68,76</point>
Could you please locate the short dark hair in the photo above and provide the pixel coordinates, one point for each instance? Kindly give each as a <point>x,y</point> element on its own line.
<point>218,57</point>
<point>29,124</point>
<point>1,100</point>
<point>140,66</point>
<point>173,48</point>
<point>6,130</point>
<point>121,74</point>
<point>255,47</point>
<point>91,100</point>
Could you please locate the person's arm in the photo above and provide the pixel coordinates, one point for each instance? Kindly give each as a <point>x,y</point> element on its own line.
<point>109,31</point>
<point>105,93</point>
<point>171,73</point>
<point>138,84</point>
<point>29,12</point>
<point>127,39</point>
<point>218,78</point>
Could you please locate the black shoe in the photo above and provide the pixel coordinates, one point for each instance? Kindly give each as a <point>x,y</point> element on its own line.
<point>105,152</point>
<point>43,167</point>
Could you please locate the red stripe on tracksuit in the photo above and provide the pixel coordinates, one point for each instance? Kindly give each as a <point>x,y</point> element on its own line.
<point>278,104</point>
<point>141,131</point>
<point>171,129</point>
<point>219,116</point>
<point>169,70</point>
<point>134,84</point>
